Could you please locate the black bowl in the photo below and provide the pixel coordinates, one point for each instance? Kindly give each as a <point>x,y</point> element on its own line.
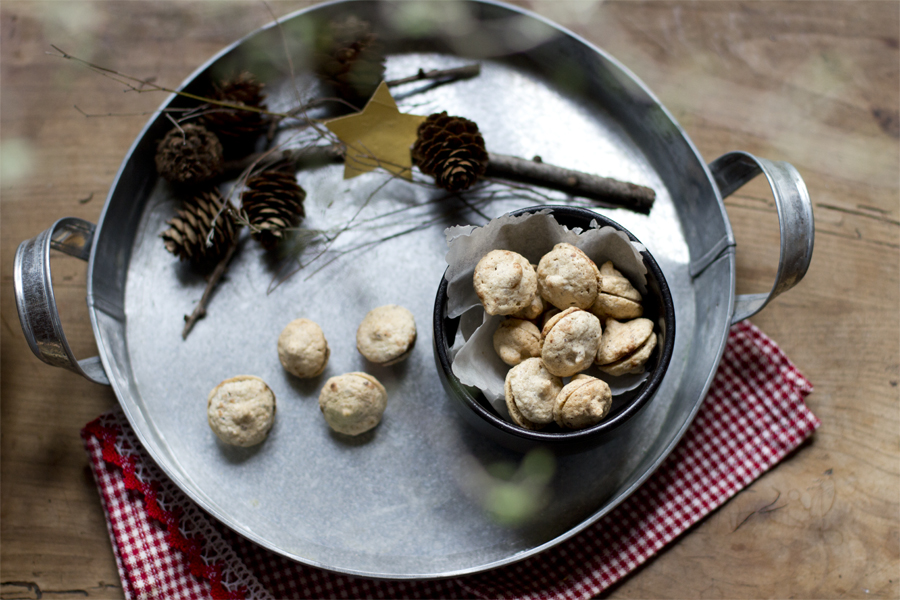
<point>479,413</point>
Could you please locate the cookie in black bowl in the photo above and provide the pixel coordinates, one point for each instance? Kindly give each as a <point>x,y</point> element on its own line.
<point>511,232</point>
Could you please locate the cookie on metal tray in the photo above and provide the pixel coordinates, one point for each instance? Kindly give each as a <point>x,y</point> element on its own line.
<point>352,403</point>
<point>530,391</point>
<point>386,334</point>
<point>241,410</point>
<point>567,277</point>
<point>570,342</point>
<point>583,402</point>
<point>302,348</point>
<point>505,282</point>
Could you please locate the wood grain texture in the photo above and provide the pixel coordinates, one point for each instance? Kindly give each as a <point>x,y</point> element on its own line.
<point>814,83</point>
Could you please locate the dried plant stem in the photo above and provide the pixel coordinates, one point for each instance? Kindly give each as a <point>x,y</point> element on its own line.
<point>611,192</point>
<point>211,283</point>
<point>143,85</point>
<point>306,156</point>
<point>299,113</point>
<point>463,72</point>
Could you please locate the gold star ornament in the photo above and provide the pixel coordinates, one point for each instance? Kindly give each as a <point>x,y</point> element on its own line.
<point>379,136</point>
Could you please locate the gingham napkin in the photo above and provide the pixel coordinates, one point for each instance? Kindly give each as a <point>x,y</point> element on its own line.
<point>752,417</point>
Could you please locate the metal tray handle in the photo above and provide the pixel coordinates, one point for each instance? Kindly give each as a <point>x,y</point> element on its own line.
<point>795,219</point>
<point>36,303</point>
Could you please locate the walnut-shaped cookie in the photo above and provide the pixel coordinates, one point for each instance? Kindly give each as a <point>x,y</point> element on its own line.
<point>517,339</point>
<point>583,402</point>
<point>386,335</point>
<point>616,298</point>
<point>567,277</point>
<point>303,349</point>
<point>241,410</point>
<point>352,403</point>
<point>570,341</point>
<point>531,392</point>
<point>545,318</point>
<point>625,347</point>
<point>505,282</point>
<point>532,311</point>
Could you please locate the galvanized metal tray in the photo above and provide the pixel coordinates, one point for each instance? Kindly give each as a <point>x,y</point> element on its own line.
<point>402,501</point>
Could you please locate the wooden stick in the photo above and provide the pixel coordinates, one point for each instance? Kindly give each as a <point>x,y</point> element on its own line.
<point>611,192</point>
<point>463,72</point>
<point>616,193</point>
<point>215,276</point>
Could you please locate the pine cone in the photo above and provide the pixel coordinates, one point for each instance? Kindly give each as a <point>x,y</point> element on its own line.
<point>189,155</point>
<point>189,228</point>
<point>237,129</point>
<point>273,202</point>
<point>349,58</point>
<point>451,150</point>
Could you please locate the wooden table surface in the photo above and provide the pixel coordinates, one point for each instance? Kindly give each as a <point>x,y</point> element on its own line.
<point>812,83</point>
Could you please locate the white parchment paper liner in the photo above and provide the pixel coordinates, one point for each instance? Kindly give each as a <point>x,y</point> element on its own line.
<point>532,235</point>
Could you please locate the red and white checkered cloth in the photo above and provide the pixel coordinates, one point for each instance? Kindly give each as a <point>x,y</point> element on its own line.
<point>753,416</point>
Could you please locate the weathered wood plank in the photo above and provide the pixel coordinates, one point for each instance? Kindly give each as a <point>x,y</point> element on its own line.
<point>815,83</point>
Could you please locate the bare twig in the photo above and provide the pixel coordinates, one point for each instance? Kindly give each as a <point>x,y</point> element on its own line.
<point>136,84</point>
<point>472,207</point>
<point>287,53</point>
<point>417,226</point>
<point>306,156</point>
<point>146,85</point>
<point>463,72</point>
<point>174,122</point>
<point>215,276</point>
<point>112,114</point>
<point>349,224</point>
<point>368,244</point>
<point>617,193</point>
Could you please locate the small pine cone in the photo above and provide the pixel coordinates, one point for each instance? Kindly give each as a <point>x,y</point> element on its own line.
<point>273,202</point>
<point>189,155</point>
<point>451,150</point>
<point>237,129</point>
<point>349,58</point>
<point>189,228</point>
